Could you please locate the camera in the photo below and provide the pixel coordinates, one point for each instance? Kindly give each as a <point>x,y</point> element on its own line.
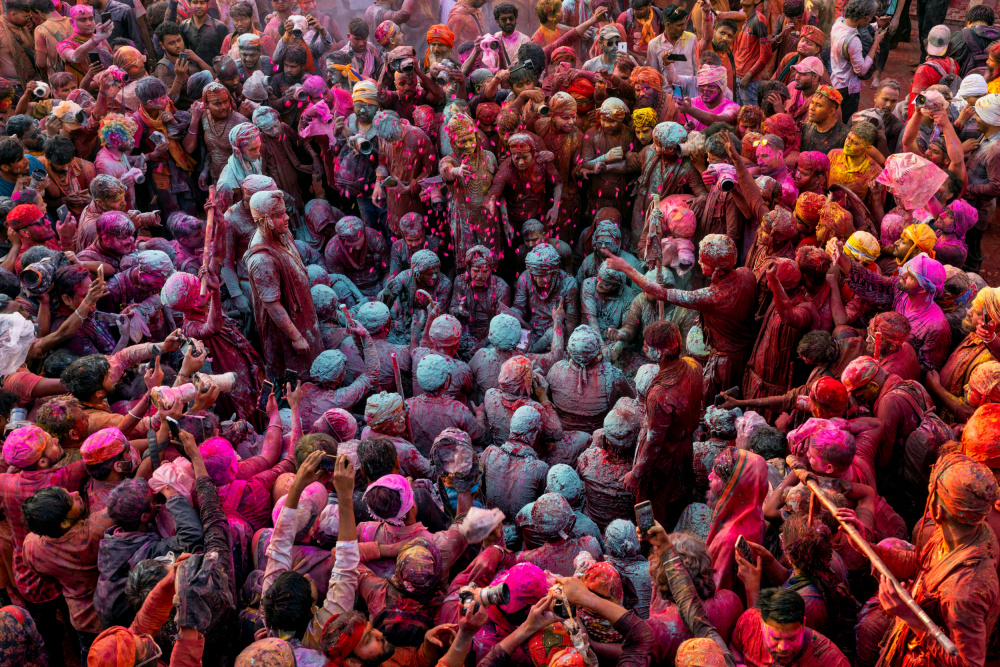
<point>157,137</point>
<point>360,144</point>
<point>492,45</point>
<point>919,101</point>
<point>18,418</point>
<point>37,277</point>
<point>490,596</point>
<point>406,66</point>
<point>40,90</point>
<point>726,175</point>
<point>37,176</point>
<point>543,110</point>
<point>297,33</point>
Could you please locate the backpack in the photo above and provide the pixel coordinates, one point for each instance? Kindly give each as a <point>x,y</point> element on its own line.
<point>922,443</point>
<point>847,42</point>
<point>978,55</point>
<point>948,78</point>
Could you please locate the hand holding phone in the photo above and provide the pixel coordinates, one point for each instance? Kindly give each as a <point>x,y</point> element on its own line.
<point>175,429</point>
<point>266,390</point>
<point>62,212</point>
<point>644,517</point>
<point>743,547</point>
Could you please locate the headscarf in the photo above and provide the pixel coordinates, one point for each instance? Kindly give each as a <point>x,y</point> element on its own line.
<point>669,134</point>
<point>783,126</point>
<point>24,446</point>
<point>965,216</point>
<point>103,445</point>
<point>973,85</point>
<point>830,93</point>
<point>830,394</point>
<point>710,75</point>
<point>647,76</point>
<point>788,272</point>
<point>542,259</point>
<point>981,435</point>
<point>614,109</point>
<point>702,651</point>
<point>988,108</point>
<point>349,228</point>
<point>642,118</point>
<point>583,348</point>
<point>22,644</point>
<point>182,292</point>
<point>127,57</point>
<point>433,372</point>
<point>967,489</point>
<point>248,41</point>
<point>552,517</point>
<point>545,644</point>
<point>397,483</point>
<point>527,585</point>
<point>348,640</point>
<point>958,290</point>
<point>561,102</point>
<point>894,327</point>
<point>813,34</point>
<point>682,222</point>
<point>515,376</point>
<point>385,31</point>
<point>808,208</point>
<point>271,652</point>
<point>383,409</point>
<point>838,221</point>
<point>388,126</point>
<point>862,247</point>
<point>859,372</point>
<point>923,239</point>
<point>460,127</point>
<point>418,567</point>
<point>505,332</point>
<point>487,112</point>
<point>364,92</point>
<point>912,179</point>
<point>928,272</point>
<point>750,116</point>
<point>985,380</point>
<point>988,299</point>
<point>891,229</point>
<point>337,422</point>
<point>582,91</point>
<point>737,513</point>
<point>814,160</point>
<point>441,33</point>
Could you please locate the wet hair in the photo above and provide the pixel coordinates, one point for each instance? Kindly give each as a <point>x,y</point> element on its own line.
<point>44,512</point>
<point>11,151</point>
<point>383,501</point>
<point>504,8</point>
<point>287,604</point>
<point>296,55</point>
<point>818,346</point>
<point>57,361</point>
<point>358,27</point>
<point>308,444</point>
<point>768,442</point>
<point>21,124</point>
<point>202,425</point>
<point>980,14</point>
<point>128,502</point>
<point>149,88</point>
<point>141,581</point>
<point>782,605</point>
<point>698,563</point>
<point>167,28</point>
<point>377,457</point>
<point>662,336</point>
<point>859,9</point>
<point>85,376</point>
<point>764,89</point>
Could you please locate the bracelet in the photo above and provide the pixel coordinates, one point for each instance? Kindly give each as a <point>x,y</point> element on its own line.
<point>134,416</point>
<point>270,426</point>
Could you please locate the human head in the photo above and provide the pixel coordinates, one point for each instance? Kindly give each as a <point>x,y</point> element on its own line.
<point>377,457</point>
<point>505,14</point>
<point>864,378</point>
<point>810,175</point>
<point>31,448</point>
<point>860,12</point>
<point>694,556</point>
<point>824,103</point>
<point>525,425</point>
<point>349,639</point>
<point>988,112</point>
<point>664,338</point>
<point>782,616</point>
<point>887,96</point>
<point>25,128</point>
<point>268,210</point>
<point>716,253</point>
<point>962,491</point>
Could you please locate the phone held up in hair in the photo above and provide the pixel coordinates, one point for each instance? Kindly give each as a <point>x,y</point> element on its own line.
<point>644,517</point>
<point>265,393</point>
<point>743,547</point>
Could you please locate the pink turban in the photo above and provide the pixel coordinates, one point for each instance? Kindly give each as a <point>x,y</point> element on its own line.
<point>397,483</point>
<point>712,74</point>
<point>25,446</point>
<point>103,446</point>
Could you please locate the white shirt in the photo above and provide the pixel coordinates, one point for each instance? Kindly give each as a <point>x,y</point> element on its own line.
<point>844,71</point>
<point>685,45</point>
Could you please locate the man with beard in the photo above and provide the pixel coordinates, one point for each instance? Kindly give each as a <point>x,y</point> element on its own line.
<point>87,37</point>
<point>355,175</point>
<point>14,164</point>
<point>406,155</point>
<point>252,58</point>
<point>770,158</point>
<point>808,75</point>
<point>28,132</point>
<point>478,295</point>
<point>538,291</point>
<point>810,44</point>
<point>27,228</point>
<point>360,253</point>
<point>720,42</point>
<point>215,116</point>
<point>811,173</point>
<point>402,293</point>
<point>647,85</point>
<point>107,194</point>
<point>69,176</point>
<point>886,98</point>
<point>283,307</point>
<point>413,87</point>
<point>609,38</point>
<point>169,69</point>
<point>415,238</point>
<point>604,157</point>
<point>823,132</point>
<point>170,166</point>
<point>560,135</point>
<point>240,228</point>
<point>115,239</point>
<point>279,159</point>
<point>607,236</point>
<point>710,106</point>
<point>468,173</point>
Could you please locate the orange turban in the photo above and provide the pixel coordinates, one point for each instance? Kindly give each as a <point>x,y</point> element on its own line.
<point>647,76</point>
<point>441,33</point>
<point>808,207</point>
<point>981,435</point>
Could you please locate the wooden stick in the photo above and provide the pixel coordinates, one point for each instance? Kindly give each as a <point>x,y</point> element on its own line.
<point>399,390</point>
<point>350,322</point>
<point>810,481</point>
<point>657,234</point>
<point>206,256</point>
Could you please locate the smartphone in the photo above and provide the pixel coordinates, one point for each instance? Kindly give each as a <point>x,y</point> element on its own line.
<point>622,47</point>
<point>62,212</point>
<point>100,272</point>
<point>677,57</point>
<point>744,548</point>
<point>175,429</point>
<point>265,393</point>
<point>644,516</point>
<point>328,464</point>
<point>291,378</point>
<point>105,17</point>
<point>677,93</point>
<point>94,58</point>
<point>181,57</point>
<point>156,355</point>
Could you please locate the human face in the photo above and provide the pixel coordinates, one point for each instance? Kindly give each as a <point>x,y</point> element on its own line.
<point>769,158</point>
<point>307,7</point>
<point>645,135</point>
<point>522,157</point>
<point>252,151</point>
<point>415,240</point>
<point>565,121</point>
<point>935,155</point>
<point>18,168</point>
<point>62,92</point>
<point>806,80</point>
<point>152,282</point>
<point>804,177</point>
<point>33,139</point>
<point>886,100</point>
<point>543,283</point>
<point>610,125</point>
<point>668,152</point>
<point>114,203</point>
<point>520,87</point>
<point>172,44</point>
<point>158,103</point>
<point>40,232</point>
<point>645,96</point>
<point>279,223</point>
<point>84,25</point>
<point>710,94</point>
<point>428,277</point>
<point>358,44</point>
<point>610,47</point>
<point>909,285</point>
<point>715,484</point>
<point>855,146</point>
<point>53,454</point>
<point>605,242</point>
<point>479,274</point>
<point>807,47</point>
<point>439,51</point>
<point>821,108</point>
<point>816,462</point>
<point>642,13</point>
<point>18,17</point>
<point>465,145</point>
<point>119,245</point>
<point>675,30</point>
<point>250,58</point>
<point>366,112</point>
<point>374,649</point>
<point>722,40</point>
<point>79,293</point>
<point>199,8</point>
<point>507,23</point>
<point>293,71</point>
<point>783,641</point>
<point>242,24</point>
<point>532,239</point>
<point>406,85</point>
<point>901,248</point>
<point>219,107</point>
<point>60,168</point>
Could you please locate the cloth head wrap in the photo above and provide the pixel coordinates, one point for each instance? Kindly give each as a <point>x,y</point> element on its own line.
<point>830,394</point>
<point>718,251</point>
<point>479,255</point>
<point>967,489</point>
<point>266,203</point>
<point>418,567</point>
<point>552,517</point>
<point>264,118</point>
<point>521,139</point>
<point>441,33</point>
<point>669,134</point>
<point>894,327</point>
<point>103,445</point>
<point>255,87</point>
<point>433,372</point>
<point>397,483</point>
<point>646,76</point>
<point>928,272</point>
<point>988,299</point>
<point>479,76</point>
<point>423,260</point>
<point>505,332</point>
<point>525,421</point>
<point>609,277</point>
<point>837,220</point>
<point>681,222</point>
<point>988,108</point>
<point>702,651</point>
<point>813,34</point>
<point>644,118</point>
<point>985,380</point>
<point>710,75</point>
<point>338,422</point>
<point>781,223</point>
<point>248,41</point>
<point>959,290</point>
<point>721,422</point>
<point>127,57</point>
<point>220,460</point>
<point>814,160</point>
<point>603,579</point>
<point>241,135</point>
<point>788,270</point>
<point>383,409</point>
<point>973,85</point>
<point>808,208</point>
<point>644,377</point>
<point>24,446</point>
<point>349,228</point>
<point>215,91</point>
<point>783,126</point>
<point>364,92</point>
<point>545,644</point>
<point>859,372</point>
<point>319,213</point>
<point>23,215</point>
<point>922,237</point>
<point>830,93</point>
<point>892,228</point>
<point>862,247</point>
<point>411,223</point>
<point>515,375</point>
<point>584,346</point>
<point>912,179</point>
<point>460,127</point>
<point>562,54</point>
<point>177,475</point>
<point>750,116</point>
<point>527,585</point>
<point>981,435</point>
<point>115,647</point>
<point>606,228</point>
<point>487,112</point>
<point>348,640</point>
<point>373,316</point>
<point>614,109</point>
<point>388,126</point>
<point>385,31</point>
<point>582,90</point>
<point>182,292</point>
<point>271,652</point>
<point>562,102</point>
<point>328,366</point>
<point>543,259</point>
<point>965,216</point>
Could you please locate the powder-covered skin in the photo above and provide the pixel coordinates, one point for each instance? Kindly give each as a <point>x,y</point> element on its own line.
<point>584,392</point>
<point>603,467</point>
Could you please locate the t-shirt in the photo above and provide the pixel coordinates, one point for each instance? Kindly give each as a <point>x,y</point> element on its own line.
<point>824,142</point>
<point>7,187</point>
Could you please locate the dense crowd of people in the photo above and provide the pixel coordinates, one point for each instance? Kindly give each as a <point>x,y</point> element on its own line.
<point>567,334</point>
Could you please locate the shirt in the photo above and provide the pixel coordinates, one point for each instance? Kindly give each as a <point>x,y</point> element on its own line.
<point>748,639</point>
<point>824,142</point>
<point>47,38</point>
<point>983,166</point>
<point>847,61</point>
<point>207,40</point>
<point>687,45</point>
<point>751,50</point>
<point>124,23</point>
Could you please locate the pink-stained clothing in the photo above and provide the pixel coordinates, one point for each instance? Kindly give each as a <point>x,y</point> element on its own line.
<point>584,396</point>
<point>107,163</point>
<point>461,377</point>
<point>97,494</point>
<point>385,350</point>
<point>373,533</point>
<point>500,407</point>
<point>602,473</point>
<point>748,639</point>
<point>253,501</point>
<point>737,512</point>
<point>557,557</point>
<point>367,270</point>
<point>429,415</point>
<point>722,609</point>
<point>157,610</point>
<point>512,461</point>
<point>725,107</point>
<point>71,561</point>
<point>411,462</point>
<point>480,572</point>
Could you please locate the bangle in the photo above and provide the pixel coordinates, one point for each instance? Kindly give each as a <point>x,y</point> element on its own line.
<point>270,426</point>
<point>133,416</point>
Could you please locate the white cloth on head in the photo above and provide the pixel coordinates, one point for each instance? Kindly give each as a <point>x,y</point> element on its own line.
<point>973,85</point>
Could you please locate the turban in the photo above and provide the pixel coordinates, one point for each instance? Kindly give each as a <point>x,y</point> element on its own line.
<point>768,187</point>
<point>814,160</point>
<point>349,228</point>
<point>788,272</point>
<point>272,652</point>
<point>521,139</point>
<point>527,585</point>
<point>710,75</point>
<point>373,316</point>
<point>127,57</point>
<point>348,640</point>
<point>912,179</point>
<point>717,251</point>
<point>388,126</point>
<point>397,483</point>
<point>418,570</point>
<point>487,112</point>
<point>103,445</point>
<point>22,644</point>
<point>548,642</point>
<point>681,222</point>
<point>608,228</point>
<point>220,460</point>
<point>505,332</point>
<point>562,53</point>
<point>781,223</point>
<point>837,220</point>
<point>460,127</point>
<point>23,215</point>
<point>748,146</point>
<point>364,92</point>
<point>604,580</point>
<point>701,652</point>
<point>337,422</point>
<point>669,134</point>
<point>562,102</point>
<point>423,260</point>
<point>643,118</point>
<point>928,272</point>
<point>248,41</point>
<point>182,292</point>
<point>958,290</point>
<point>385,31</point>
<point>813,34</point>
<point>411,223</point>
<point>441,33</point>
<point>894,327</point>
<point>988,108</point>
<point>967,489</point>
<point>973,85</point>
<point>177,475</point>
<point>922,237</point>
<point>830,93</point>
<point>515,376</point>
<point>328,366</point>
<point>964,215</point>
<point>214,90</point>
<point>892,228</point>
<point>862,247</point>
<point>581,89</point>
<point>383,408</point>
<point>647,76</point>
<point>24,446</point>
<point>830,394</point>
<point>241,135</point>
<point>445,330</point>
<point>115,647</point>
<point>584,346</point>
<point>609,31</point>
<point>609,278</point>
<point>266,203</point>
<point>981,435</point>
<point>479,255</point>
<point>859,372</point>
<point>988,299</point>
<point>984,380</point>
<point>552,517</point>
<point>750,116</point>
<point>614,109</point>
<point>782,125</point>
<point>808,207</point>
<point>264,118</point>
<point>542,259</point>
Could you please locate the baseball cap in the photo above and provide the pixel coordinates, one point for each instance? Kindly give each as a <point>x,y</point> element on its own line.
<point>937,40</point>
<point>811,64</point>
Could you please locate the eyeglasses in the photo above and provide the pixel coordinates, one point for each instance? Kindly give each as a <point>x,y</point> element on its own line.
<point>154,659</point>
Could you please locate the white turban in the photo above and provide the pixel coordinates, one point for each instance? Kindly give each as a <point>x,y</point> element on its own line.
<point>988,108</point>
<point>973,85</point>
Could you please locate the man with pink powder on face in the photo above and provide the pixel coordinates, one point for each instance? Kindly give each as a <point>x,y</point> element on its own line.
<point>771,160</point>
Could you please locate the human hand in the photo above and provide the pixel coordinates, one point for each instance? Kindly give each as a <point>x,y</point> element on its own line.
<point>970,145</point>
<point>473,620</point>
<point>300,345</point>
<point>204,400</point>
<point>892,603</point>
<point>749,573</point>
<point>310,471</point>
<point>656,536</point>
<point>194,358</point>
<point>294,396</point>
<point>932,378</point>
<point>442,635</point>
<point>540,616</point>
<point>343,477</point>
<point>98,288</point>
<point>559,312</point>
<point>502,76</point>
<point>173,342</point>
<point>615,262</point>
<point>552,216</point>
<point>630,482</point>
<point>203,180</point>
<point>272,406</point>
<point>190,446</point>
<point>103,31</point>
<point>616,154</point>
<point>153,377</point>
